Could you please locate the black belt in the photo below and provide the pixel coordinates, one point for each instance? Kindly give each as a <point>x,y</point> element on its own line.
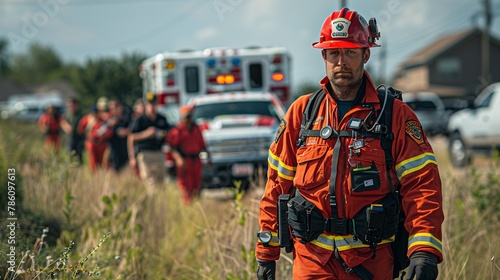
<point>339,226</point>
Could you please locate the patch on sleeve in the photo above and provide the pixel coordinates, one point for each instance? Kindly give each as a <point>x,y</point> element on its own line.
<point>414,130</point>
<point>280,131</point>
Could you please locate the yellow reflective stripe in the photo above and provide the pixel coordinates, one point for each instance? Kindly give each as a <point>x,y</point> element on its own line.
<point>414,164</point>
<point>425,239</point>
<point>324,241</point>
<point>275,241</point>
<point>284,171</point>
<point>342,243</point>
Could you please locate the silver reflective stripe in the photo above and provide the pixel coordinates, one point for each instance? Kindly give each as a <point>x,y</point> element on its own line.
<point>425,239</point>
<point>414,164</point>
<point>284,171</point>
<point>342,243</point>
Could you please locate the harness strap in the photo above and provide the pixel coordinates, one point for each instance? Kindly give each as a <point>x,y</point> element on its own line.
<point>359,270</point>
<point>309,115</point>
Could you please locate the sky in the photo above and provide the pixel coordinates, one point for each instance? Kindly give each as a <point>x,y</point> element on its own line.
<point>86,29</point>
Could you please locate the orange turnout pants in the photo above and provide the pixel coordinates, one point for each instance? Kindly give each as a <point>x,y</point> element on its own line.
<point>189,179</point>
<point>53,141</point>
<point>95,152</point>
<point>309,268</point>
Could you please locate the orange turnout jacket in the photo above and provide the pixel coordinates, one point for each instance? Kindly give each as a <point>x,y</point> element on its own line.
<point>307,169</point>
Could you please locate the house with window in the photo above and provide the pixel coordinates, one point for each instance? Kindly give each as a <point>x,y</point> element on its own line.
<point>450,66</point>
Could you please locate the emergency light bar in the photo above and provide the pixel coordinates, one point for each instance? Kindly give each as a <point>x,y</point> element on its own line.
<point>225,79</point>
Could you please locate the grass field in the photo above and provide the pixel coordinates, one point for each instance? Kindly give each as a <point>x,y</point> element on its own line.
<point>111,226</point>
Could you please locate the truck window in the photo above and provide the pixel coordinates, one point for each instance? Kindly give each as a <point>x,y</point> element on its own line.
<point>422,105</point>
<point>210,111</point>
<point>192,79</point>
<point>486,101</point>
<point>255,75</point>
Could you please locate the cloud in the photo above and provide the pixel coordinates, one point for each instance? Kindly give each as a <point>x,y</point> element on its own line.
<point>206,33</point>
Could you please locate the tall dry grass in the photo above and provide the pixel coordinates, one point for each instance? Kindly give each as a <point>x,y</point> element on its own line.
<point>153,236</point>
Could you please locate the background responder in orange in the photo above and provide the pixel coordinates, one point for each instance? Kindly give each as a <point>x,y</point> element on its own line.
<point>345,40</point>
<point>97,133</point>
<point>50,125</point>
<point>187,142</point>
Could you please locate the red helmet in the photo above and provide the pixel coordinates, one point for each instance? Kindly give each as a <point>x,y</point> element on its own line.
<point>347,29</point>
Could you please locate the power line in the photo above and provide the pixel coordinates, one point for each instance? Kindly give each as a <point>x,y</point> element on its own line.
<point>86,2</point>
<point>173,22</point>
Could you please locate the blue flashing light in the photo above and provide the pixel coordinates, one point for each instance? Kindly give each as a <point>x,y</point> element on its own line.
<point>211,62</point>
<point>236,61</point>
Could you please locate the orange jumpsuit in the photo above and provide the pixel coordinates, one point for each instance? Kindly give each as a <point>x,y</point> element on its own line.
<point>308,168</point>
<point>97,134</point>
<point>189,143</point>
<point>53,133</point>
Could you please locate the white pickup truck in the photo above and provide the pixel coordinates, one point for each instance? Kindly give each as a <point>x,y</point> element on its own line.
<point>476,129</point>
<point>238,128</point>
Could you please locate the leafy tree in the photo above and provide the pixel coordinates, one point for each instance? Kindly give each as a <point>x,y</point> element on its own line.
<point>108,77</point>
<point>4,63</point>
<point>40,64</point>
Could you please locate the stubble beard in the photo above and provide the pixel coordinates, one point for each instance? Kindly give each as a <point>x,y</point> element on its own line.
<point>345,84</point>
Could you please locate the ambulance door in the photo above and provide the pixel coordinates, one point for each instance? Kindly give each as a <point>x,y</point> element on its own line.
<point>255,73</point>
<point>191,80</point>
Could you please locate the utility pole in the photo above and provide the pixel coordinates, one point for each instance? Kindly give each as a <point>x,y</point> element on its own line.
<point>485,52</point>
<point>383,63</point>
<point>343,3</point>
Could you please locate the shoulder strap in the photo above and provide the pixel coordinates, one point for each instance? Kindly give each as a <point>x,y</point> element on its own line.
<point>309,114</point>
<point>388,137</point>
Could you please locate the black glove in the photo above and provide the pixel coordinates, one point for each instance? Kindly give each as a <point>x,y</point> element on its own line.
<point>423,266</point>
<point>266,270</point>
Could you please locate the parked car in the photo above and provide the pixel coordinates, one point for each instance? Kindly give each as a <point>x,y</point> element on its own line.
<point>476,129</point>
<point>430,111</point>
<point>238,128</point>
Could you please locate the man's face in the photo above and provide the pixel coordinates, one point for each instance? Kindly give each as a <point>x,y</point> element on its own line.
<point>149,108</point>
<point>72,106</point>
<point>344,67</point>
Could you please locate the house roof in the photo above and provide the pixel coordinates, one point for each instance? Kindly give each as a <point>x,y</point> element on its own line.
<point>9,87</point>
<point>441,45</point>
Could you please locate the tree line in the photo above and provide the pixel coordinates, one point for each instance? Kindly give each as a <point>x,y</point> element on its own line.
<point>107,76</point>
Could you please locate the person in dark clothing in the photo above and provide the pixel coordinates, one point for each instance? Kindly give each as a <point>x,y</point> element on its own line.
<point>119,120</point>
<point>69,124</point>
<point>145,141</point>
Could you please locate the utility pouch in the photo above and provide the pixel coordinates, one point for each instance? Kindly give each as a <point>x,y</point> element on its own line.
<point>365,178</point>
<point>375,216</point>
<point>378,221</point>
<point>304,219</point>
<point>400,247</point>
<point>285,238</point>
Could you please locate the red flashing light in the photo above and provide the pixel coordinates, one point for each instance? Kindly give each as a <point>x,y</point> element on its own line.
<point>235,70</point>
<point>277,59</point>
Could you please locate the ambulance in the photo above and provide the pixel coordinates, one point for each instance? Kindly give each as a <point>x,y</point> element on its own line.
<point>176,77</point>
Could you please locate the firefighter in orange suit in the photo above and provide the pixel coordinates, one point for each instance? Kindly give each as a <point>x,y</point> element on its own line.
<point>186,141</point>
<point>50,124</point>
<point>337,174</point>
<point>97,133</point>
